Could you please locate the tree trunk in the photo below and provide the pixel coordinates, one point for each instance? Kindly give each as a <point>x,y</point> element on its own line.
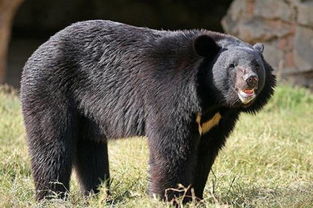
<point>7,12</point>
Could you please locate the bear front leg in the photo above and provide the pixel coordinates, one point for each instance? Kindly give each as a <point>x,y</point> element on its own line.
<point>92,165</point>
<point>209,146</point>
<point>207,152</point>
<point>173,153</point>
<point>91,159</point>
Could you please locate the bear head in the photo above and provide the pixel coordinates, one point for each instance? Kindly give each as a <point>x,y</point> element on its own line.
<point>234,73</point>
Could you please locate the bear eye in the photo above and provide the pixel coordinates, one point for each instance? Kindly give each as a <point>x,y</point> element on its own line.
<point>231,66</point>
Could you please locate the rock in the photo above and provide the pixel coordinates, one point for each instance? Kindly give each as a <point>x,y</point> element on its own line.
<point>303,48</point>
<point>256,29</point>
<point>272,54</point>
<point>235,12</point>
<point>253,23</point>
<point>274,9</point>
<point>259,30</point>
<point>305,13</point>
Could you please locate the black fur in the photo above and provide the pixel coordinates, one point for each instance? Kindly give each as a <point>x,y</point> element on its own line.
<point>99,80</point>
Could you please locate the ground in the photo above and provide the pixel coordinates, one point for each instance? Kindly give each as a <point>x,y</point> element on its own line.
<point>267,161</point>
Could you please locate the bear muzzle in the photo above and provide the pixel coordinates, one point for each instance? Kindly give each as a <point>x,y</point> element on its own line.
<point>246,96</point>
<point>251,80</point>
<point>246,85</point>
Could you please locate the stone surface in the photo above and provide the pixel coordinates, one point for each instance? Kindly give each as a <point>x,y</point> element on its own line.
<point>286,29</point>
<point>274,9</point>
<point>236,12</point>
<point>272,54</point>
<point>255,30</point>
<point>305,13</point>
<point>303,48</point>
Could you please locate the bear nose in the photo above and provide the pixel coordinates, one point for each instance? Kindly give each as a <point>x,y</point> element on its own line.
<point>252,80</point>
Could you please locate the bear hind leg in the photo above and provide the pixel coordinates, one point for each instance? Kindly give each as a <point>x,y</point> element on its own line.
<point>91,160</point>
<point>51,139</point>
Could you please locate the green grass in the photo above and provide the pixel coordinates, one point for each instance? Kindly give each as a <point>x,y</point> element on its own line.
<point>267,161</point>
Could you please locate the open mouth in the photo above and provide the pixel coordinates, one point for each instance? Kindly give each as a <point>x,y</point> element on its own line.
<point>246,95</point>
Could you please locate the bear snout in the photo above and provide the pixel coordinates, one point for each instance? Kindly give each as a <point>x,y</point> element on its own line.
<point>252,80</point>
<point>246,79</point>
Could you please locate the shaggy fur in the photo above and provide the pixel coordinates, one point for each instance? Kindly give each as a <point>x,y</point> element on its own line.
<point>99,80</point>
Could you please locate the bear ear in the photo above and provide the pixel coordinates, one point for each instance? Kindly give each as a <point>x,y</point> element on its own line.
<point>259,47</point>
<point>205,46</point>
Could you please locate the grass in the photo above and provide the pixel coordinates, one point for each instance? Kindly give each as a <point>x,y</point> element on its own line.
<point>267,162</point>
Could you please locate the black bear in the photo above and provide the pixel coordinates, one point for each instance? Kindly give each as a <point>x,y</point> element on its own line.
<point>99,80</point>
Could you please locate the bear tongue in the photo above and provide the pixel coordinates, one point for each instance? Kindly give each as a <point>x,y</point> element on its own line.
<point>249,92</point>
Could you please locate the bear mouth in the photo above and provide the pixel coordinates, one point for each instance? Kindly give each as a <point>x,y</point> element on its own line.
<point>246,95</point>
